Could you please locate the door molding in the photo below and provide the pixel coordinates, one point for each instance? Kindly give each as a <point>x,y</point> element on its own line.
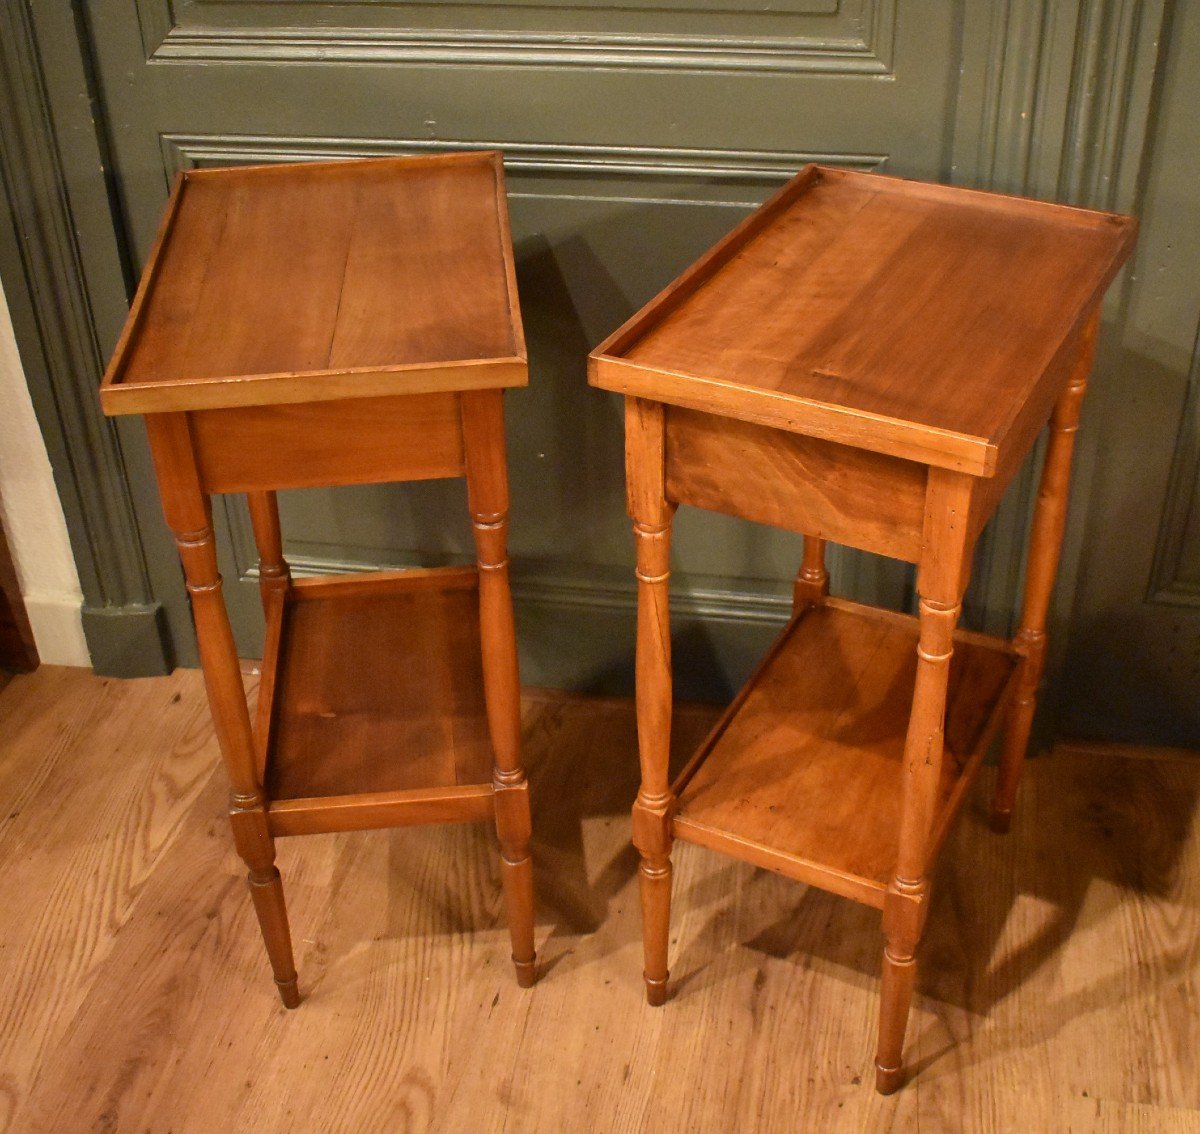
<point>1053,101</point>
<point>59,217</point>
<point>861,44</point>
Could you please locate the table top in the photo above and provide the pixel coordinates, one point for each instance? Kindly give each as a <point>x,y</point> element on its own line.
<point>908,318</point>
<point>324,280</point>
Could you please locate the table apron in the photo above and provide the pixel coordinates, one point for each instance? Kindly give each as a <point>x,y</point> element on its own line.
<point>804,484</point>
<point>307,444</point>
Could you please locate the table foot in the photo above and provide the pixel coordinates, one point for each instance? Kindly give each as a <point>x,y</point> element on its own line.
<point>656,992</point>
<point>888,1080</point>
<point>288,993</point>
<point>526,972</point>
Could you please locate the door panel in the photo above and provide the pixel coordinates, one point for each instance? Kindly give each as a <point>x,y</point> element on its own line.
<point>1133,670</point>
<point>634,138</point>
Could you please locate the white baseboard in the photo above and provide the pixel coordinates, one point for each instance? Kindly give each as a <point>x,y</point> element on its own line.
<point>57,624</point>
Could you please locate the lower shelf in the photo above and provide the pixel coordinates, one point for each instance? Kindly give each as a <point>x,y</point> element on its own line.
<point>371,703</point>
<point>803,773</point>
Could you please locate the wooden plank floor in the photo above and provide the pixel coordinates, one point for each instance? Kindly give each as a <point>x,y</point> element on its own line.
<point>1059,991</point>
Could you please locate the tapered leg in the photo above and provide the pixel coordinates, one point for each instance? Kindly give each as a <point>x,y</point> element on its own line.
<point>189,516</point>
<point>487,493</point>
<point>1045,547</point>
<point>941,581</point>
<point>812,583</point>
<point>273,572</point>
<point>1042,567</point>
<point>652,812</point>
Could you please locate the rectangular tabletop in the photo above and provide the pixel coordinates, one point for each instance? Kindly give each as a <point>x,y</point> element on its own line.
<point>309,281</point>
<point>913,319</point>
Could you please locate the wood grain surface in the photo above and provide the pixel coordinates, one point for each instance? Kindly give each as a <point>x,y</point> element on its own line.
<point>380,692</point>
<point>350,441</point>
<point>911,319</point>
<point>806,777</point>
<point>327,279</point>
<point>1068,963</point>
<point>828,491</point>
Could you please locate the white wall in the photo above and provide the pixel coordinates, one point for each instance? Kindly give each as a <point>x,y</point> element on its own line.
<point>33,517</point>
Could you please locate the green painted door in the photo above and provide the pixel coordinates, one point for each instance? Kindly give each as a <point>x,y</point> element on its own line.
<point>1133,666</point>
<point>635,136</point>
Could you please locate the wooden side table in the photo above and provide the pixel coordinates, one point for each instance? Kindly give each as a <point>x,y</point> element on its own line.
<point>330,324</point>
<point>864,360</point>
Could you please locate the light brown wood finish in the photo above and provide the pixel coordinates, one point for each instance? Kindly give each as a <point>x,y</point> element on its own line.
<point>865,360</point>
<point>1045,546</point>
<point>1061,1000</point>
<point>651,512</point>
<point>784,328</point>
<point>941,580</point>
<point>405,713</point>
<point>356,441</point>
<point>487,500</point>
<point>189,516</point>
<point>296,321</point>
<point>274,575</point>
<point>804,484</point>
<point>812,580</point>
<point>805,776</point>
<point>238,307</point>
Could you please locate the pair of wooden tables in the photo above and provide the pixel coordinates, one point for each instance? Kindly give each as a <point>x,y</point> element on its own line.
<point>863,360</point>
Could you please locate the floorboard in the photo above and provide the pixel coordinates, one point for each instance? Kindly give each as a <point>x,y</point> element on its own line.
<point>1059,989</point>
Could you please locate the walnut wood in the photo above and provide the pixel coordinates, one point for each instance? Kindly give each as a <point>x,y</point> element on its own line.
<point>941,580</point>
<point>815,317</point>
<point>383,583</point>
<point>355,441</point>
<point>804,776</point>
<point>651,512</point>
<point>487,500</point>
<point>368,811</point>
<point>238,305</point>
<point>1045,546</point>
<point>189,516</point>
<point>408,713</point>
<point>804,484</point>
<point>274,575</point>
<point>326,324</point>
<point>812,581</point>
<point>274,612</point>
<point>866,360</point>
<point>990,491</point>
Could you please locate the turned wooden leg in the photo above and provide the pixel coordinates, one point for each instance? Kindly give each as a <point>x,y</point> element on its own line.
<point>812,583</point>
<point>273,572</point>
<point>487,494</point>
<point>189,516</point>
<point>653,810</point>
<point>1045,547</point>
<point>941,582</point>
<point>248,818</point>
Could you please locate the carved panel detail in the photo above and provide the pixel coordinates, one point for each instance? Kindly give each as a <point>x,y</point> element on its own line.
<point>186,151</point>
<point>847,37</point>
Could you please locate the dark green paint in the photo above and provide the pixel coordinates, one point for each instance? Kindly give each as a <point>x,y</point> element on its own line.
<point>634,137</point>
